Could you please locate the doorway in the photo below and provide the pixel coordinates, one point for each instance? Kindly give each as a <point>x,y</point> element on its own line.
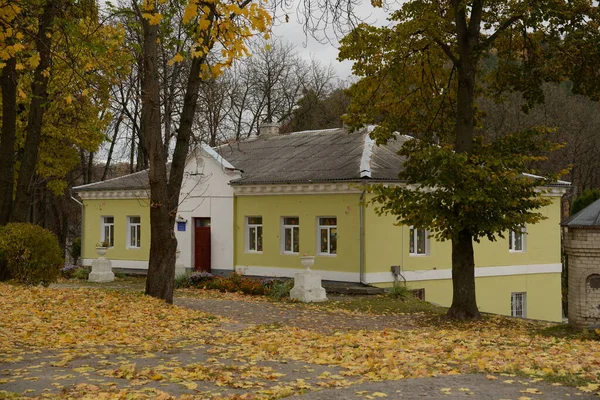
<point>202,244</point>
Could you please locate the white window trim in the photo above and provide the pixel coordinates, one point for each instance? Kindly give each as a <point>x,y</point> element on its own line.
<point>129,226</point>
<point>328,227</point>
<point>415,239</point>
<point>248,226</point>
<point>512,240</point>
<point>103,224</point>
<point>282,234</point>
<point>513,308</point>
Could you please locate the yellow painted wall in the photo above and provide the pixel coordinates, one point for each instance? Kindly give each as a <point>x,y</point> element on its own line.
<point>493,294</point>
<point>94,210</point>
<point>387,244</point>
<point>308,208</point>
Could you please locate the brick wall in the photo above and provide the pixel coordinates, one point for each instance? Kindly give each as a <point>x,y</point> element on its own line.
<point>583,251</point>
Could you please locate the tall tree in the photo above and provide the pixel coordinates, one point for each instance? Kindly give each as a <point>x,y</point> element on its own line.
<point>217,25</point>
<point>422,76</point>
<point>59,60</point>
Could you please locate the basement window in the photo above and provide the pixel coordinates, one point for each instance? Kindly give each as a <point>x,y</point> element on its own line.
<point>518,304</point>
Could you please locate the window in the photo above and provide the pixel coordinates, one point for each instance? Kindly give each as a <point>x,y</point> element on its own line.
<point>291,235</point>
<point>134,224</point>
<point>516,240</point>
<point>327,234</point>
<point>418,245</point>
<point>254,234</point>
<point>518,304</point>
<point>108,230</point>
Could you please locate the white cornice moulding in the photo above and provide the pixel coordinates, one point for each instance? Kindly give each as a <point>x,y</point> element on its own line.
<point>341,187</point>
<point>303,188</point>
<point>115,194</point>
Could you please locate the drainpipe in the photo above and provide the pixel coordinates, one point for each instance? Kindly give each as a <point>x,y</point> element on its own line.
<point>82,216</point>
<point>361,213</point>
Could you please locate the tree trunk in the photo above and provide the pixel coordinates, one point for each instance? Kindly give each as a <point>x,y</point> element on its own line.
<point>464,302</point>
<point>163,244</point>
<point>43,43</point>
<point>8,85</point>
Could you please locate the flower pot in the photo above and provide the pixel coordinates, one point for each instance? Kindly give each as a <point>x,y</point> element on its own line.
<point>101,251</point>
<point>307,261</point>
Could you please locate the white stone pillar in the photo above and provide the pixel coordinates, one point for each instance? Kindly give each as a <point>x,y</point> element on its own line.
<point>307,284</point>
<point>101,268</point>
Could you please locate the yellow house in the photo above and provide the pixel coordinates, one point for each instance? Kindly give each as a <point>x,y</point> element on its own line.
<point>305,193</point>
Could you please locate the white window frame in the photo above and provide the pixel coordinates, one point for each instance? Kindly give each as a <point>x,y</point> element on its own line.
<point>291,227</point>
<point>414,232</point>
<point>254,226</point>
<point>321,227</point>
<point>518,304</point>
<point>138,232</point>
<point>512,241</point>
<point>111,230</point>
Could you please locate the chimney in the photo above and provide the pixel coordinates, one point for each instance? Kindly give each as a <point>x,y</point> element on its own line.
<point>268,129</point>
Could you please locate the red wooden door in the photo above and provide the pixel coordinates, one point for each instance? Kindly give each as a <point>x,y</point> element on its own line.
<point>202,244</point>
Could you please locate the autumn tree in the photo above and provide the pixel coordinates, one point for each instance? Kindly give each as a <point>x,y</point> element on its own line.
<point>219,30</point>
<point>422,76</point>
<point>59,64</point>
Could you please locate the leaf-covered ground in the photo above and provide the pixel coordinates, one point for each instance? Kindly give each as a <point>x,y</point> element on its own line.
<point>94,343</point>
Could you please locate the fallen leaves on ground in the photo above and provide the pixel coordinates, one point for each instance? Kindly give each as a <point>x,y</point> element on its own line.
<point>75,323</point>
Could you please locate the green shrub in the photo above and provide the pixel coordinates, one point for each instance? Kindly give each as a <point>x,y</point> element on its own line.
<point>182,281</point>
<point>400,292</point>
<point>587,197</point>
<point>31,253</point>
<point>76,249</point>
<point>82,273</point>
<point>280,289</point>
<point>120,275</point>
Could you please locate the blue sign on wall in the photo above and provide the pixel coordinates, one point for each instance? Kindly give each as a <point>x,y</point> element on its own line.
<point>181,226</point>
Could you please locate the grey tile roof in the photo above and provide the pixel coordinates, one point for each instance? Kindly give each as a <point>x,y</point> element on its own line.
<point>135,181</point>
<point>589,217</point>
<point>328,155</point>
<point>312,156</point>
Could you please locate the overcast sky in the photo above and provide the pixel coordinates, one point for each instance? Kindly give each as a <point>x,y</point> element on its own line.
<point>326,52</point>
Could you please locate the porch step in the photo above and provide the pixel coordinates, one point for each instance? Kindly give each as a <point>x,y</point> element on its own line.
<point>351,289</point>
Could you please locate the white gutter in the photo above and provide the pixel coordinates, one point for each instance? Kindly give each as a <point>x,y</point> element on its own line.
<point>361,250</point>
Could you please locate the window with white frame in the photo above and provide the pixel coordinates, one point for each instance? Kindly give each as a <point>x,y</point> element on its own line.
<point>254,230</point>
<point>516,240</point>
<point>107,233</point>
<point>135,232</point>
<point>291,235</point>
<point>518,304</point>
<point>418,242</point>
<point>327,235</point>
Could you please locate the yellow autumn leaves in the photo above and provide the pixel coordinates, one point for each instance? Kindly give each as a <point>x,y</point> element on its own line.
<point>216,23</point>
<point>84,321</point>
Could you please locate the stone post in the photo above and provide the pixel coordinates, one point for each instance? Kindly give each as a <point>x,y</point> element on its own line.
<point>101,268</point>
<point>307,284</point>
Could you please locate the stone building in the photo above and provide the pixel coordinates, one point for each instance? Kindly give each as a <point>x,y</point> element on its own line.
<point>582,246</point>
